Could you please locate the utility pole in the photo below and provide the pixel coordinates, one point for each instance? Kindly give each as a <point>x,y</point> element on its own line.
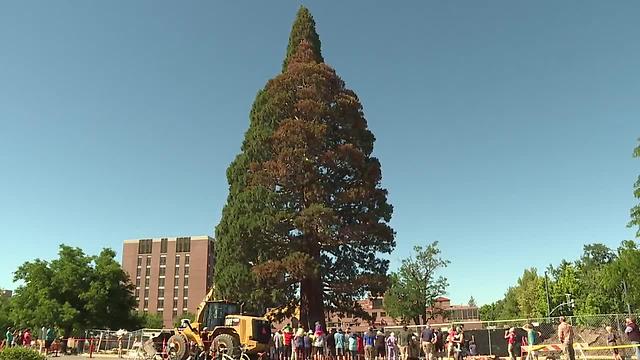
<point>626,296</point>
<point>546,290</point>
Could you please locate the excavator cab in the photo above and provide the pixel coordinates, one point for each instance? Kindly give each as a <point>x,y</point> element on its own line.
<point>215,312</point>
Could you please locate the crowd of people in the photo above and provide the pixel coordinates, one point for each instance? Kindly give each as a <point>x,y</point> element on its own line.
<point>374,344</point>
<point>42,342</point>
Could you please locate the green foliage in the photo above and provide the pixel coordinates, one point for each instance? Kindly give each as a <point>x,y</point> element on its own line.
<point>635,211</point>
<point>416,285</point>
<point>152,321</point>
<point>188,315</point>
<point>74,292</point>
<point>594,281</point>
<point>304,28</point>
<point>5,315</point>
<point>20,353</point>
<point>305,212</point>
<point>472,301</point>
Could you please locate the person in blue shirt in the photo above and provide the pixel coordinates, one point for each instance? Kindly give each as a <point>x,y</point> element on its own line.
<point>369,339</point>
<point>339,339</point>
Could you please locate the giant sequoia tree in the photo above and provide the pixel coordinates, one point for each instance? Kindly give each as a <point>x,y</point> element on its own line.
<point>306,217</point>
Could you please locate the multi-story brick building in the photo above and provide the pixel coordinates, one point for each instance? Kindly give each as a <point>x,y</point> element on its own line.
<point>171,274</point>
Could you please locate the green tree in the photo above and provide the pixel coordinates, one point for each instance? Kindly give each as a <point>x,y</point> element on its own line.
<point>305,210</point>
<point>635,211</point>
<point>472,302</point>
<point>415,286</point>
<point>5,314</point>
<point>530,294</point>
<point>152,321</point>
<point>188,315</point>
<point>73,292</point>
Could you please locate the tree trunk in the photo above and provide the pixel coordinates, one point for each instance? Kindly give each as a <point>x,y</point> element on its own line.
<point>311,303</point>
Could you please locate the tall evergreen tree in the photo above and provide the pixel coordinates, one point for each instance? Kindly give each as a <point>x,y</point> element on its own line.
<point>305,212</point>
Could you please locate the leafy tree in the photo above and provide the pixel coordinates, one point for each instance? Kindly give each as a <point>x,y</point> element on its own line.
<point>73,292</point>
<point>305,210</point>
<point>472,302</point>
<point>635,211</point>
<point>5,314</point>
<point>414,288</point>
<point>530,294</point>
<point>153,321</point>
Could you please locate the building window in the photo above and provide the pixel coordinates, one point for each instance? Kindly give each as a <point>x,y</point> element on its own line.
<point>146,282</point>
<point>137,293</point>
<point>377,303</point>
<point>138,283</point>
<point>177,270</point>
<point>186,271</point>
<point>146,293</point>
<point>186,281</point>
<point>163,245</point>
<point>175,313</point>
<point>163,260</point>
<point>184,303</point>
<point>145,246</point>
<point>374,315</point>
<point>185,292</point>
<point>146,304</point>
<point>161,282</point>
<point>175,303</point>
<point>160,313</point>
<point>148,261</point>
<point>176,281</point>
<point>177,260</point>
<point>138,272</point>
<point>160,293</point>
<point>160,304</point>
<point>139,260</point>
<point>175,293</point>
<point>383,314</point>
<point>183,244</point>
<point>186,259</point>
<point>163,271</point>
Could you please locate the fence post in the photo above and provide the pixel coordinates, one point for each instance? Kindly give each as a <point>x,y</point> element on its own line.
<point>91,348</point>
<point>489,337</point>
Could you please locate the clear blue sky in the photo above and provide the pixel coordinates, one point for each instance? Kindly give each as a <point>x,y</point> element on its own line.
<point>505,128</point>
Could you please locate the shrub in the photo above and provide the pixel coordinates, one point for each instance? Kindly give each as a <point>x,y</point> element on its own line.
<point>20,353</point>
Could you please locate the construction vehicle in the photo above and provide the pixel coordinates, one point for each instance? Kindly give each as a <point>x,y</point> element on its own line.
<point>219,326</point>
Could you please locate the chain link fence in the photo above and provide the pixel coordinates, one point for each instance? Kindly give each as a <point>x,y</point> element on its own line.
<point>489,336</point>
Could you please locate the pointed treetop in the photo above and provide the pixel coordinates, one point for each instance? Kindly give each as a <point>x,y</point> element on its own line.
<point>304,28</point>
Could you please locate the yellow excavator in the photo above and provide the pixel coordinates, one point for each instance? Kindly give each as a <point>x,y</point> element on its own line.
<point>219,325</point>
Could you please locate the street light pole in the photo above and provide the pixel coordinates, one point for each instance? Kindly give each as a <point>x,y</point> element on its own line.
<point>546,289</point>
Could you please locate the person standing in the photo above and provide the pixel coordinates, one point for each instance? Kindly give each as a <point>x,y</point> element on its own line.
<point>612,340</point>
<point>330,343</point>
<point>26,338</point>
<point>353,346</point>
<point>287,337</point>
<point>392,344</point>
<point>278,344</point>
<point>380,345</point>
<point>339,339</point>
<point>565,334</point>
<point>318,344</point>
<point>9,337</point>
<point>369,340</point>
<point>426,342</point>
<point>510,336</point>
<point>403,342</point>
<point>633,334</point>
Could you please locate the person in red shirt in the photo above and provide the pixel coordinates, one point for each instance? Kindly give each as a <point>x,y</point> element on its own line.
<point>26,338</point>
<point>288,337</point>
<point>510,336</point>
<point>360,346</point>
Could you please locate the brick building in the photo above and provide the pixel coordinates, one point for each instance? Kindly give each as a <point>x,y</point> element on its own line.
<point>171,274</point>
